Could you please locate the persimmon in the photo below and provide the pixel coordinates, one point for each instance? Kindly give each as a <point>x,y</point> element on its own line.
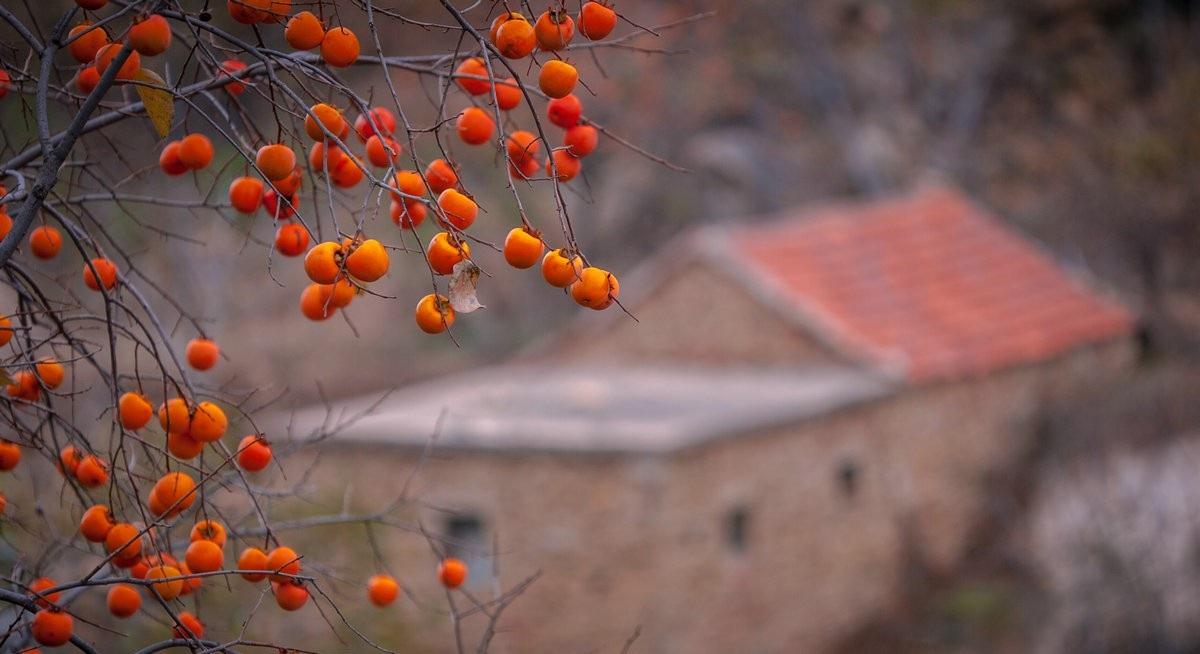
<point>408,214</point>
<point>338,294</point>
<point>290,184</point>
<point>164,584</point>
<point>6,332</point>
<point>557,78</point>
<point>45,242</point>
<point>561,269</point>
<point>279,208</point>
<point>24,386</point>
<point>452,572</point>
<point>5,223</point>
<point>525,170</point>
<point>304,31</point>
<point>86,79</point>
<point>340,47</point>
<point>596,20</point>
<point>184,446</point>
<point>384,120</point>
<point>123,600</point>
<point>565,111</point>
<point>383,151</point>
<point>151,36</point>
<point>596,288</point>
<point>367,262</point>
<point>135,410</point>
<point>249,12</point>
<point>230,68</point>
<point>253,558</point>
<point>123,541</point>
<point>253,453</point>
<point>322,264</point>
<point>565,167</point>
<point>440,175</point>
<point>138,570</point>
<point>467,76</point>
<point>445,251</point>
<point>106,271</point>
<point>245,194</point>
<point>348,173</point>
<point>92,472</point>
<point>458,208</point>
<point>208,530</point>
<point>313,303</point>
<point>194,628</point>
<point>382,589</point>
<point>195,151</point>
<point>327,117</point>
<point>276,161</point>
<point>554,29</point>
<point>204,556</point>
<point>68,460</point>
<point>10,455</point>
<point>202,353</point>
<point>291,240</point>
<point>5,82</point>
<point>475,126</point>
<point>290,595</point>
<point>52,627</point>
<point>96,522</point>
<point>85,41</point>
<point>326,157</point>
<point>408,183</point>
<point>107,53</point>
<point>523,248</point>
<point>38,588</point>
<point>500,20</point>
<point>434,314</point>
<point>508,94</point>
<point>580,140</point>
<point>174,415</point>
<point>516,39</point>
<point>169,161</point>
<point>521,145</point>
<point>51,372</point>
<point>283,561</point>
<point>176,487</point>
<point>208,422</point>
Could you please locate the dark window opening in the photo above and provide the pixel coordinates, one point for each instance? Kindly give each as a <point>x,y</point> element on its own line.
<point>465,535</point>
<point>1147,348</point>
<point>848,477</point>
<point>737,527</point>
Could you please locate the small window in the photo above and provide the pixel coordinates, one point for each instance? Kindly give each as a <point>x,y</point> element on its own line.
<point>848,473</point>
<point>467,540</point>
<point>737,527</point>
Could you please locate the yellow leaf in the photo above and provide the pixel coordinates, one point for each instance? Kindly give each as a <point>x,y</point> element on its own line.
<point>160,103</point>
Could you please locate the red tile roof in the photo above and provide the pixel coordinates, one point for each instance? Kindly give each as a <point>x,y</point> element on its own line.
<point>928,283</point>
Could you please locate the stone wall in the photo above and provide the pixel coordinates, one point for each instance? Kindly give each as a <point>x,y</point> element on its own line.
<point>646,540</point>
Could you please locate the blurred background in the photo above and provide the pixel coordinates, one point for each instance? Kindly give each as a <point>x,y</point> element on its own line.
<point>1040,502</point>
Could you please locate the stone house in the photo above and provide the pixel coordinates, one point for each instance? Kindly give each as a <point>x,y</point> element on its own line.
<point>802,406</point>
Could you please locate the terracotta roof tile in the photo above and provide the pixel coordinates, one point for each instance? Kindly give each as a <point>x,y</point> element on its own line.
<point>929,282</point>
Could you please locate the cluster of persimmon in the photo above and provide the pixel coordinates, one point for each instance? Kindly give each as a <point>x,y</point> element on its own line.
<point>134,540</point>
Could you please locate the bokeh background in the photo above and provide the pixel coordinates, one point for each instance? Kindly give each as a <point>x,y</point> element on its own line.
<point>1077,122</point>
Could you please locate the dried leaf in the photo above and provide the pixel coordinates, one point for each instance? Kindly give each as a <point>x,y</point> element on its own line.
<point>160,103</point>
<point>462,287</point>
